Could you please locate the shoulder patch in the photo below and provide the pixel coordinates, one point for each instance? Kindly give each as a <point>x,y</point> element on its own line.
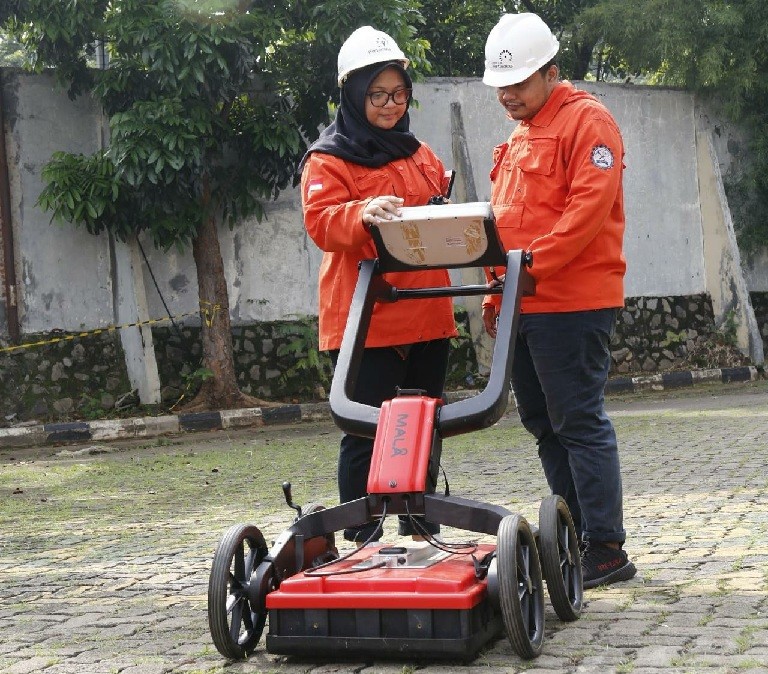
<point>602,157</point>
<point>314,186</point>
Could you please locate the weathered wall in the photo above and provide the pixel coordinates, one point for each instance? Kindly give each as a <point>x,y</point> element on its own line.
<point>664,237</point>
<point>66,275</point>
<point>663,241</point>
<point>71,281</point>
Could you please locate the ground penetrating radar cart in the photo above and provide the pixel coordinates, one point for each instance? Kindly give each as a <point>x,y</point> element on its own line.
<point>431,599</point>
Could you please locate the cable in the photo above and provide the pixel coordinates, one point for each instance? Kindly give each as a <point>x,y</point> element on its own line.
<point>316,571</point>
<point>179,333</point>
<point>157,287</point>
<point>457,548</point>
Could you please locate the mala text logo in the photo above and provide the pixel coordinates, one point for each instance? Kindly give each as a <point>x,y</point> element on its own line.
<point>401,429</point>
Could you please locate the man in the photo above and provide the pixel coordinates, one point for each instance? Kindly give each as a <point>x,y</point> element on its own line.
<point>557,192</point>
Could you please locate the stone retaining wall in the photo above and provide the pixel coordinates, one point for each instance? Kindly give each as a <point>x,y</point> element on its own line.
<point>85,377</point>
<point>760,305</point>
<point>74,377</point>
<point>659,333</point>
<point>271,360</point>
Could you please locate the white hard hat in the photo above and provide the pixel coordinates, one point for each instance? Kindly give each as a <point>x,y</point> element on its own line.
<point>517,46</point>
<point>364,47</point>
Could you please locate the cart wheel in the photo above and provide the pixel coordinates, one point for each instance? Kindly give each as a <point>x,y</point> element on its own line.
<point>331,552</point>
<point>560,557</point>
<point>235,620</point>
<point>520,586</point>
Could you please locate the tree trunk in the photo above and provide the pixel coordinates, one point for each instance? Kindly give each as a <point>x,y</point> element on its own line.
<point>219,391</point>
<point>583,54</point>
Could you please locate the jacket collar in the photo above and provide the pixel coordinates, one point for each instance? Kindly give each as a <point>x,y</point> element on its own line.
<point>557,98</point>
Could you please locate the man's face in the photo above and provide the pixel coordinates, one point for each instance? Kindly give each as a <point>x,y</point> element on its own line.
<point>525,99</point>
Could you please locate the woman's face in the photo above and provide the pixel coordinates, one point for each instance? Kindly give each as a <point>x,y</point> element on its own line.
<point>388,81</point>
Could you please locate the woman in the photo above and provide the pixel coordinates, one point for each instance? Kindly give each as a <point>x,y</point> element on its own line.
<point>362,169</point>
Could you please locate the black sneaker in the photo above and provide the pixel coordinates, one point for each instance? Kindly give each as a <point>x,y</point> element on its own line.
<point>602,564</point>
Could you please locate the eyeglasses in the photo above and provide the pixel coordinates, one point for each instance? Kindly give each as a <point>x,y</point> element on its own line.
<point>380,98</point>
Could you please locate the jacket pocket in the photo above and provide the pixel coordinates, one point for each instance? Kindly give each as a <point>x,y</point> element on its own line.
<point>432,178</point>
<point>508,216</point>
<point>373,184</point>
<point>538,156</point>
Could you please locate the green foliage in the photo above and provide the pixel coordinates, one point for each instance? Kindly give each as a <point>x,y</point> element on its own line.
<point>462,359</point>
<point>673,338</point>
<point>80,189</point>
<point>720,349</point>
<point>59,34</point>
<point>689,44</point>
<point>304,361</point>
<point>457,31</point>
<point>211,103</point>
<point>463,329</point>
<point>726,332</point>
<point>748,199</point>
<point>11,52</point>
<point>196,377</point>
<point>193,380</point>
<point>91,408</point>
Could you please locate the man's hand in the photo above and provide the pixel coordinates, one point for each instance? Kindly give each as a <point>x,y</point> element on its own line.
<point>489,320</point>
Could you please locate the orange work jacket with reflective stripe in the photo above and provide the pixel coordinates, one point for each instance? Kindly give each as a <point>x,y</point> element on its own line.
<point>556,191</point>
<point>334,193</point>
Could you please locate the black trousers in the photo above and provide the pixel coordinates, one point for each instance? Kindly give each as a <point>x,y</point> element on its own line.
<point>421,365</point>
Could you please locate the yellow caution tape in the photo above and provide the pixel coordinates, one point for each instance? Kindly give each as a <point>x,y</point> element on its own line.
<point>97,331</point>
<point>209,314</point>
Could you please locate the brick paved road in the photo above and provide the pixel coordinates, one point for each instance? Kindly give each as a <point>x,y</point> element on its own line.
<point>90,587</point>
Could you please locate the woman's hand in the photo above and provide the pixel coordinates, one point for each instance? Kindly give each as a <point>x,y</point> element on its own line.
<point>381,208</point>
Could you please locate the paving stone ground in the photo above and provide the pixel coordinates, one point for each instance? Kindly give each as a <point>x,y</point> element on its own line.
<point>90,587</point>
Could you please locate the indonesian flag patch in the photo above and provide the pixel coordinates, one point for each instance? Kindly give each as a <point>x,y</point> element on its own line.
<point>314,186</point>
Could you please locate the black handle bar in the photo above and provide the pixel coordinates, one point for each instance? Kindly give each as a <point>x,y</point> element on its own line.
<point>474,413</point>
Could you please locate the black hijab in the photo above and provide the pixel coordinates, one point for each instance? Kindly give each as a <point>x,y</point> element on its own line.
<point>352,137</point>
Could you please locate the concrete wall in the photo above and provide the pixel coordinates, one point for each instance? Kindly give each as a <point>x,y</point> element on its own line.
<point>64,274</point>
<point>663,240</point>
<point>271,266</point>
<point>67,276</point>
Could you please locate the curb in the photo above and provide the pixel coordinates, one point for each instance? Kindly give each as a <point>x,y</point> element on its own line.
<point>672,380</point>
<point>147,427</point>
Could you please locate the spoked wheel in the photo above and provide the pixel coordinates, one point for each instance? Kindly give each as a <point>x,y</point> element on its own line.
<point>328,550</point>
<point>520,586</point>
<point>235,620</point>
<point>560,557</point>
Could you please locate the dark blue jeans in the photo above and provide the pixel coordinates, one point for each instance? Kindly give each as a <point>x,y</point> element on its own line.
<point>558,376</point>
<point>421,365</point>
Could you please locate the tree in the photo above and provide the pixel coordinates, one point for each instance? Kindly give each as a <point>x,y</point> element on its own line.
<point>211,104</point>
<point>457,31</point>
<point>11,53</point>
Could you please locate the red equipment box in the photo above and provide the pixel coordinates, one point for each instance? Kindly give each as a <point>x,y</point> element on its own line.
<point>422,602</point>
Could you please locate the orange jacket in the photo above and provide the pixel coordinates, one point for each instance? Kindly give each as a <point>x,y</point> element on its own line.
<point>334,193</point>
<point>557,192</point>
